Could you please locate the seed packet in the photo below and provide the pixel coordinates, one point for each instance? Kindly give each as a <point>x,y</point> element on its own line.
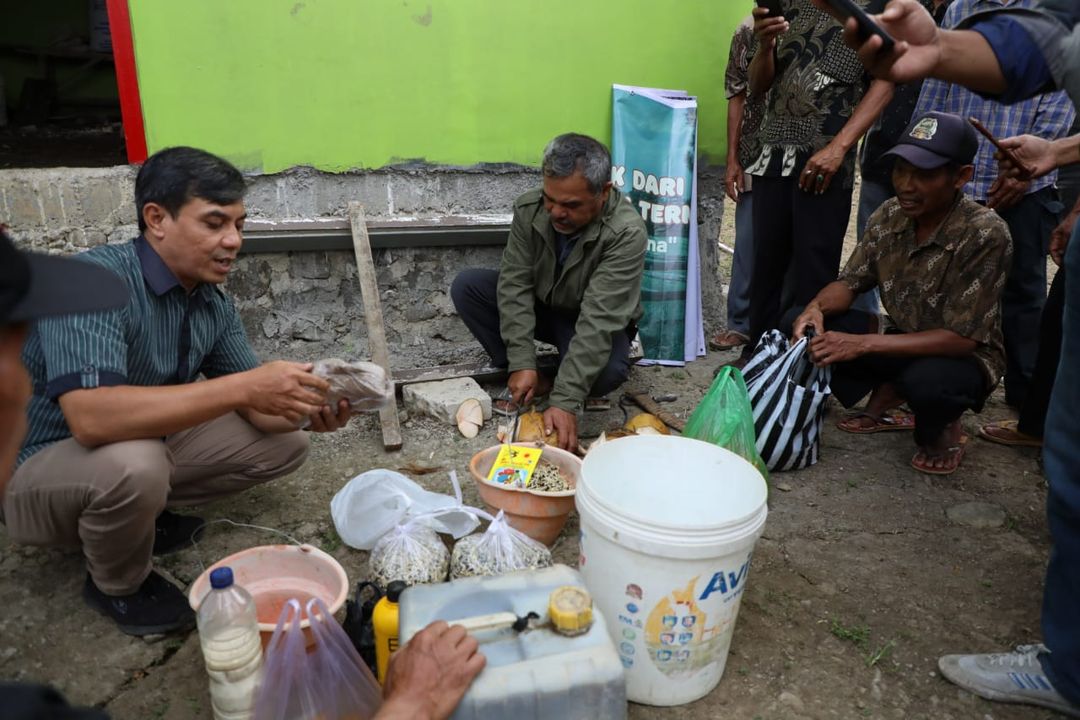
<point>514,465</point>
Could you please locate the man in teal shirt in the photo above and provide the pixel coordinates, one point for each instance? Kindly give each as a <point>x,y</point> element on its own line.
<point>158,404</point>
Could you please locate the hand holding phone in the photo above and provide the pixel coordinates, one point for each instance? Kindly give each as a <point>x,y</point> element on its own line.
<point>867,27</point>
<point>769,22</point>
<point>1026,171</point>
<point>773,6</point>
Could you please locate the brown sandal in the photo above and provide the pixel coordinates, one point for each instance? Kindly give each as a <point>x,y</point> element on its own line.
<point>727,340</point>
<point>890,420</point>
<point>955,455</point>
<point>1006,432</point>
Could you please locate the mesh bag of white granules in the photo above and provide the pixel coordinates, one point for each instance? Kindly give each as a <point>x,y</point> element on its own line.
<point>410,552</point>
<point>498,549</point>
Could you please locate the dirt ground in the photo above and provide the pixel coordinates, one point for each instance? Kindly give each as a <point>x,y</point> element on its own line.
<point>867,571</point>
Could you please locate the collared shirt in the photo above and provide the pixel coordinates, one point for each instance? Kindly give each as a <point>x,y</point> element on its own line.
<point>737,82</point>
<point>817,85</point>
<point>163,336</point>
<point>1047,116</point>
<point>951,281</point>
<point>564,245</point>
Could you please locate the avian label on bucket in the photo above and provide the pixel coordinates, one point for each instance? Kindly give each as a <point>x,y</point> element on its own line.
<point>690,627</point>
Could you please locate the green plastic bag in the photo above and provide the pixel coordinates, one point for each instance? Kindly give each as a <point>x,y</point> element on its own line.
<point>724,417</point>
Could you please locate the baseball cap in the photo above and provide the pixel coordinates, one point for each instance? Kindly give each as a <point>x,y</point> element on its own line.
<point>935,138</point>
<point>33,285</point>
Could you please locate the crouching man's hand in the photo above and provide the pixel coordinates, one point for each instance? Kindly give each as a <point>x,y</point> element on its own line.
<point>836,347</point>
<point>428,677</point>
<point>810,317</point>
<point>327,420</point>
<point>565,424</point>
<point>285,389</point>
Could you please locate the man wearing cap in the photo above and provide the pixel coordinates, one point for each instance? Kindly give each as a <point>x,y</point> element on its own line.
<point>939,260</point>
<point>159,404</point>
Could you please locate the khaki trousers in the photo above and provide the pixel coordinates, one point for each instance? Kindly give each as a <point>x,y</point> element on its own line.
<point>106,499</point>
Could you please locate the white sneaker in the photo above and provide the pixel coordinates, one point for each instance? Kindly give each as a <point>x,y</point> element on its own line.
<point>1015,677</point>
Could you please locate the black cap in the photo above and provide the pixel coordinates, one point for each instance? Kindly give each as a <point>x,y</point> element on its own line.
<point>34,285</point>
<point>394,590</point>
<point>935,138</point>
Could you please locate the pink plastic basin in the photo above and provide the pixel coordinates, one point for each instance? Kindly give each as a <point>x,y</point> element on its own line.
<point>275,573</point>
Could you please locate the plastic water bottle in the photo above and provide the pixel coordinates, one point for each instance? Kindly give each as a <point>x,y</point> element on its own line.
<point>229,635</point>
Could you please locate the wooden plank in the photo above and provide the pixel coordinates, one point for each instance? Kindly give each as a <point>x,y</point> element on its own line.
<point>646,403</point>
<point>373,317</point>
<point>479,371</point>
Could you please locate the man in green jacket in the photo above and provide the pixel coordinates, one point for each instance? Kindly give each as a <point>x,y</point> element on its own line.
<point>570,276</point>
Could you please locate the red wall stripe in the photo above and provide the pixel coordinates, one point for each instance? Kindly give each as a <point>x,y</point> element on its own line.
<point>127,81</point>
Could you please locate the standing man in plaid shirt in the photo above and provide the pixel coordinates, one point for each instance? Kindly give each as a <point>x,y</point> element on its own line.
<point>1030,208</point>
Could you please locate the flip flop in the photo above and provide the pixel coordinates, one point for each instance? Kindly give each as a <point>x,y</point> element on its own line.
<point>1005,432</point>
<point>889,421</point>
<point>727,340</point>
<point>956,456</point>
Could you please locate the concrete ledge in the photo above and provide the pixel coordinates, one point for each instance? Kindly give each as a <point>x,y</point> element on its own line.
<point>306,304</point>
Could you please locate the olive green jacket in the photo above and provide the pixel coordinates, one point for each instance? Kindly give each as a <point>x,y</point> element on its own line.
<point>600,283</point>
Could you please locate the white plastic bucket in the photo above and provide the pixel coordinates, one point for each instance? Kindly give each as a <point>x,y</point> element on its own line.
<point>668,525</point>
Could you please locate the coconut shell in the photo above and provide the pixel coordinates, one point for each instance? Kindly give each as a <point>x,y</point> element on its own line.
<point>616,433</point>
<point>470,417</point>
<point>645,420</point>
<point>530,428</point>
<point>609,435</point>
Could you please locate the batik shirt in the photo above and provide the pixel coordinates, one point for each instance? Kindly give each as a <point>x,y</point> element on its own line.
<point>818,82</point>
<point>736,82</point>
<point>952,281</point>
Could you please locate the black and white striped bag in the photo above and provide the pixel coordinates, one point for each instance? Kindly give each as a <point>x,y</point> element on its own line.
<point>788,393</point>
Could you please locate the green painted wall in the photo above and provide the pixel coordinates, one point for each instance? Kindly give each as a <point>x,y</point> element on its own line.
<point>340,84</point>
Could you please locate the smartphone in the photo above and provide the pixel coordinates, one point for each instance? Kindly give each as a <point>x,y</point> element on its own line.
<point>773,6</point>
<point>867,27</point>
<point>1026,171</point>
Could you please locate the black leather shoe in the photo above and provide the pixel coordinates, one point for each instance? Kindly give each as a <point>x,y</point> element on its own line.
<point>173,531</point>
<point>156,608</point>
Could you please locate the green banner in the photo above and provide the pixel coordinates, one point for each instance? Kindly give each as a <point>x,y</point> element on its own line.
<point>653,148</point>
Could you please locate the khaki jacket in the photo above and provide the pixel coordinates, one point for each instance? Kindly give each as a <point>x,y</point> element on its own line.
<point>600,283</point>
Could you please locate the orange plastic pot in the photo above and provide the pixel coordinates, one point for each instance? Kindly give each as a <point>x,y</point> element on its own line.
<point>540,515</point>
<point>274,573</point>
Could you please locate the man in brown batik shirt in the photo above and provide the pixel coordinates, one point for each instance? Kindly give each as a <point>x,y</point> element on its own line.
<point>939,260</point>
